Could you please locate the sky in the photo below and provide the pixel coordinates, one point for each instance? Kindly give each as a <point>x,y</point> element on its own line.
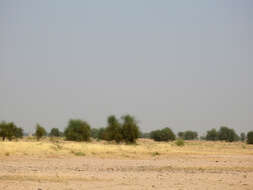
<point>187,65</point>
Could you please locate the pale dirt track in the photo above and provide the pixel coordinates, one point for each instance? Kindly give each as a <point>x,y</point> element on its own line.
<point>173,172</point>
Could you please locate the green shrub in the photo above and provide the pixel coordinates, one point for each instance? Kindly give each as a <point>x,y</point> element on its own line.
<point>250,137</point>
<point>179,142</point>
<point>165,134</point>
<point>77,130</point>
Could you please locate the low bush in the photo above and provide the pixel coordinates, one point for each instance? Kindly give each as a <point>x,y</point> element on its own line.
<point>179,142</point>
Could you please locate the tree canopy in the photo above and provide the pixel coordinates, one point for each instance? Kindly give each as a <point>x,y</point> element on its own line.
<point>40,132</point>
<point>130,129</point>
<point>10,131</point>
<point>165,134</point>
<point>77,130</point>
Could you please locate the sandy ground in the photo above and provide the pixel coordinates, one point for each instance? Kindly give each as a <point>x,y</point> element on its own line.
<point>172,172</point>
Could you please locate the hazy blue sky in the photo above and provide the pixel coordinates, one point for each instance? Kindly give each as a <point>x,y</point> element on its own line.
<point>183,64</point>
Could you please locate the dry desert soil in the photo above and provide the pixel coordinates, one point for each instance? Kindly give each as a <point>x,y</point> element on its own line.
<point>174,170</point>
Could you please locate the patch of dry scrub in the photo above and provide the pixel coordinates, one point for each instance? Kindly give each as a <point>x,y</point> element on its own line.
<point>144,148</point>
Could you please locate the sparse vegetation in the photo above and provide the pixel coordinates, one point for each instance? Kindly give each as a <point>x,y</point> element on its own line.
<point>143,149</point>
<point>124,130</point>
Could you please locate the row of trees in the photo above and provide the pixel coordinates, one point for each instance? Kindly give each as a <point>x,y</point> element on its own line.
<point>224,134</point>
<point>188,135</point>
<point>124,129</point>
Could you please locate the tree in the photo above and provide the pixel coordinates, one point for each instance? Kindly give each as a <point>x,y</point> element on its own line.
<point>77,130</point>
<point>227,134</point>
<point>40,132</point>
<point>3,130</point>
<point>250,137</point>
<point>94,133</point>
<point>10,131</point>
<point>190,135</point>
<point>243,137</point>
<point>19,133</point>
<point>212,135</point>
<point>55,132</point>
<point>165,134</point>
<point>130,129</point>
<point>113,130</point>
<point>156,135</point>
<point>101,134</point>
